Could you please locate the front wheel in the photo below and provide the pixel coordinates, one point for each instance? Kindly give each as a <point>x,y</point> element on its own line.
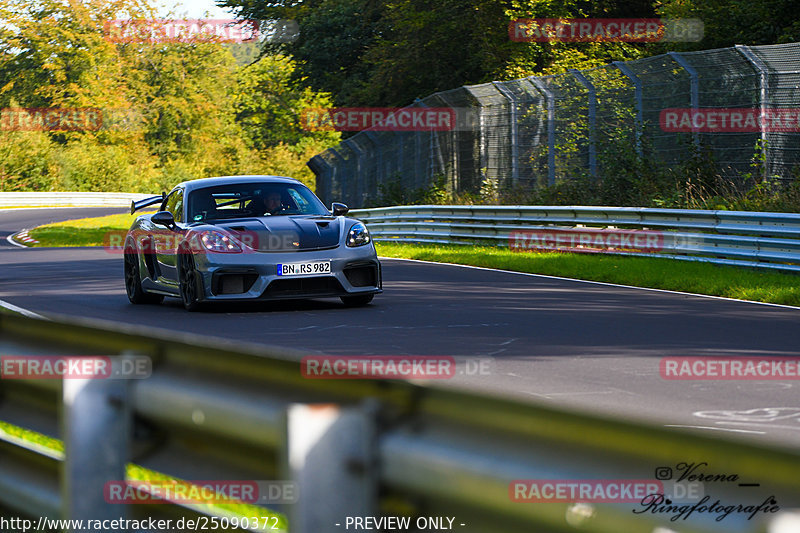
<point>188,281</point>
<point>133,281</point>
<point>357,301</point>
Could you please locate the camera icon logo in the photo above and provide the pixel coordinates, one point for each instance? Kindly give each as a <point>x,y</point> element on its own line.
<point>663,473</point>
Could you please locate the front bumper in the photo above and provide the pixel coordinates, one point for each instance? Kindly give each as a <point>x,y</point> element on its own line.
<point>254,276</point>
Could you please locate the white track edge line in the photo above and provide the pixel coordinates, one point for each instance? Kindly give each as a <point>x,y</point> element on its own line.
<point>11,240</point>
<point>715,429</point>
<point>601,283</point>
<point>20,310</point>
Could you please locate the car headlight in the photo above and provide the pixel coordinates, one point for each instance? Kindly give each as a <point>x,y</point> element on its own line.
<point>358,235</point>
<point>215,241</point>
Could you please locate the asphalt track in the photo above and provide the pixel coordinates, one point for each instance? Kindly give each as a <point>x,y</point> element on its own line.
<point>562,342</point>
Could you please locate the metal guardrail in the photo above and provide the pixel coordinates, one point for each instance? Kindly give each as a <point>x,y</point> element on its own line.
<point>356,448</point>
<point>750,239</point>
<point>68,199</point>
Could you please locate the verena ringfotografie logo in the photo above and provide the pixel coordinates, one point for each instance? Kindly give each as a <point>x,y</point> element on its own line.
<point>394,366</point>
<point>75,367</point>
<point>379,119</point>
<point>200,492</point>
<point>605,30</point>
<point>585,240</point>
<point>729,120</point>
<point>730,368</point>
<point>749,505</point>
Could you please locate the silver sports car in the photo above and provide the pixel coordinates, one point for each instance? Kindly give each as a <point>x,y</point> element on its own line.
<point>247,238</point>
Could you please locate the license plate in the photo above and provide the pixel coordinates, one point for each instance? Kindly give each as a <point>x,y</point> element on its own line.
<point>307,268</point>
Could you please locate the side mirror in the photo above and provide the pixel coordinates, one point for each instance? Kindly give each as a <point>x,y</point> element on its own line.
<point>339,209</point>
<point>163,218</point>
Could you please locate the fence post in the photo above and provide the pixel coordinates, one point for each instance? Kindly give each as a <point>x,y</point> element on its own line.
<point>357,178</point>
<point>377,152</point>
<point>455,134</point>
<point>763,85</point>
<point>637,93</point>
<point>551,128</point>
<point>694,88</point>
<point>592,119</point>
<point>336,178</point>
<point>330,453</point>
<point>96,429</point>
<point>421,176</point>
<point>322,171</point>
<point>512,103</point>
<point>434,150</point>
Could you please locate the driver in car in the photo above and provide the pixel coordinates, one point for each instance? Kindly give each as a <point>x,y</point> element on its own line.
<point>270,203</point>
<point>273,202</point>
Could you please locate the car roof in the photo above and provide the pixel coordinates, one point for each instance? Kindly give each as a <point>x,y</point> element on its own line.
<point>227,180</point>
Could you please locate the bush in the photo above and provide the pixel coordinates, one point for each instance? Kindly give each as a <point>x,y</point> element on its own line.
<point>27,161</point>
<point>85,165</point>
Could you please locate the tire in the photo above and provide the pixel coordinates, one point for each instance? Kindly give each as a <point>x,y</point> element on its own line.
<point>133,279</point>
<point>357,301</point>
<point>189,281</point>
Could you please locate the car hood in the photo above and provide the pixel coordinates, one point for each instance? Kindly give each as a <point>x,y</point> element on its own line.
<point>283,233</point>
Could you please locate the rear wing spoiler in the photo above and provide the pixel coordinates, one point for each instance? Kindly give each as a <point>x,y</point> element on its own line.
<point>135,206</point>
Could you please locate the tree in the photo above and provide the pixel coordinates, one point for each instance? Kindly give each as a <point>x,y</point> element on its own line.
<point>269,103</point>
<point>731,22</point>
<point>55,54</point>
<point>368,52</point>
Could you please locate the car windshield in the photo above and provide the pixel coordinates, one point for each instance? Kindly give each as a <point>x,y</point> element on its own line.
<point>240,200</point>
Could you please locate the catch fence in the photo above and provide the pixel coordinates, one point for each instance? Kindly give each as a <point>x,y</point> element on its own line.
<point>534,131</point>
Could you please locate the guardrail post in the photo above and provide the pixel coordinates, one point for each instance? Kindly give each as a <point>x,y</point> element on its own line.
<point>637,94</point>
<point>592,119</point>
<point>551,128</point>
<point>763,85</point>
<point>694,87</point>
<point>330,454</point>
<point>96,429</point>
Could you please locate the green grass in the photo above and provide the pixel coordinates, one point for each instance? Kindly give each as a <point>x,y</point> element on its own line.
<point>134,472</point>
<point>684,276</point>
<point>676,275</point>
<point>83,232</point>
